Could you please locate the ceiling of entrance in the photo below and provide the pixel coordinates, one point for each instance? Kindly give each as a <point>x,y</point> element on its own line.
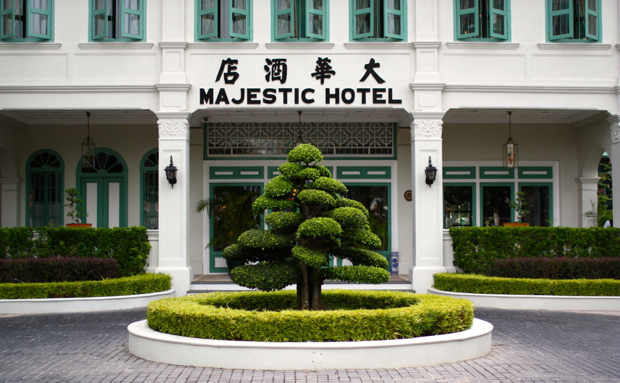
<point>521,116</point>
<point>78,116</point>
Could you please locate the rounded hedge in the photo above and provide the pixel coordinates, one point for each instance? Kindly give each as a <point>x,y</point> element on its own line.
<point>354,315</point>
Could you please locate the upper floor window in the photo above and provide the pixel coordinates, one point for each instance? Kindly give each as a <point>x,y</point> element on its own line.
<point>300,20</point>
<point>117,20</point>
<point>574,20</point>
<point>378,20</point>
<point>26,20</point>
<point>482,20</point>
<point>223,20</point>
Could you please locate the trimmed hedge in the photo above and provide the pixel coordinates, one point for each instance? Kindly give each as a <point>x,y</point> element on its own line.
<point>557,268</point>
<point>477,248</point>
<point>479,284</point>
<point>44,270</point>
<point>362,315</point>
<point>139,284</point>
<point>129,246</point>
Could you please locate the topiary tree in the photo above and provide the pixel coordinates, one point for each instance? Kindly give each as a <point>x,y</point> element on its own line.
<point>309,221</point>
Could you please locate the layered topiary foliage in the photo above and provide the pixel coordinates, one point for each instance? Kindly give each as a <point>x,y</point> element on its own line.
<point>309,221</point>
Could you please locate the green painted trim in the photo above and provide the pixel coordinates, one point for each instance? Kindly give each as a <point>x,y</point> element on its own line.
<point>7,38</point>
<point>474,207</point>
<point>547,169</point>
<point>568,37</point>
<point>366,37</point>
<point>102,179</point>
<point>234,172</point>
<point>91,27</point>
<point>466,37</point>
<point>471,172</point>
<point>271,172</point>
<point>218,254</point>
<point>60,169</point>
<point>483,169</point>
<point>207,38</point>
<point>550,186</point>
<point>144,169</point>
<point>512,193</point>
<point>363,172</point>
<point>298,10</point>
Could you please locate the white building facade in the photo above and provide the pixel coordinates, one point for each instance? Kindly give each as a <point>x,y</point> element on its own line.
<point>382,86</point>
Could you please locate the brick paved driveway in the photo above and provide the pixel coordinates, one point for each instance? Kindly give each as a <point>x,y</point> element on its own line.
<point>528,346</point>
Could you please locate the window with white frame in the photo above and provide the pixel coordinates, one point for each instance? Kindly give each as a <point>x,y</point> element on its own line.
<point>574,20</point>
<point>117,20</point>
<point>223,20</point>
<point>482,20</point>
<point>378,20</point>
<point>26,20</point>
<point>300,20</point>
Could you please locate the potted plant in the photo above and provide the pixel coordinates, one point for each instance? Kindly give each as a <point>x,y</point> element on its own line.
<point>519,207</point>
<point>75,211</point>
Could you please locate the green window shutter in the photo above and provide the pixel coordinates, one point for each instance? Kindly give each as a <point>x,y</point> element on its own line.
<point>284,19</point>
<point>560,19</point>
<point>316,17</point>
<point>240,19</point>
<point>40,19</point>
<point>99,19</point>
<point>132,19</point>
<point>7,19</point>
<point>467,20</point>
<point>498,19</point>
<point>394,19</point>
<point>363,18</point>
<point>207,23</point>
<point>593,12</point>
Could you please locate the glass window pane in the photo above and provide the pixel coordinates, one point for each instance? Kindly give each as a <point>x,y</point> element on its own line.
<point>362,24</point>
<point>39,4</point>
<point>592,5</point>
<point>537,198</point>
<point>458,202</point>
<point>498,4</point>
<point>132,4</point>
<point>393,24</point>
<point>316,24</point>
<point>592,27</point>
<point>498,24</point>
<point>317,4</point>
<point>132,24</point>
<point>7,4</point>
<point>99,24</point>
<point>558,5</point>
<point>7,22</point>
<point>284,24</point>
<point>239,23</point>
<point>375,198</point>
<point>39,23</point>
<point>100,4</point>
<point>231,210</point>
<point>495,205</point>
<point>207,24</point>
<point>239,4</point>
<point>362,4</point>
<point>207,4</point>
<point>284,4</point>
<point>393,4</point>
<point>467,4</point>
<point>468,23</point>
<point>560,25</point>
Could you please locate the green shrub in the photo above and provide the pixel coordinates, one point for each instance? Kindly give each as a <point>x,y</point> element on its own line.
<point>139,284</point>
<point>557,268</point>
<point>129,246</point>
<point>477,248</point>
<point>361,315</point>
<point>43,270</point>
<point>479,284</point>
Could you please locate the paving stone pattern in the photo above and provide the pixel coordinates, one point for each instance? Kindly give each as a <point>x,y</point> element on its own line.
<point>528,346</point>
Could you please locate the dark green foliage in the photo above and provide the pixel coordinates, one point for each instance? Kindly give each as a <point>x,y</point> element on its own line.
<point>357,274</point>
<point>264,202</point>
<point>324,171</point>
<point>356,316</point>
<point>290,170</point>
<point>477,248</point>
<point>284,222</point>
<point>279,187</point>
<point>265,276</point>
<point>305,154</point>
<point>345,202</point>
<point>139,284</point>
<point>557,268</point>
<point>242,254</point>
<point>310,257</point>
<point>44,270</point>
<point>129,246</point>
<point>317,197</point>
<point>364,237</point>
<point>260,239</point>
<point>361,256</point>
<point>329,185</point>
<point>308,174</point>
<point>348,217</point>
<point>480,284</point>
<point>318,227</point>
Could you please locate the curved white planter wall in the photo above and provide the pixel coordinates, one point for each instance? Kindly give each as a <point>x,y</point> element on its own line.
<point>424,351</point>
<point>536,302</point>
<point>72,305</point>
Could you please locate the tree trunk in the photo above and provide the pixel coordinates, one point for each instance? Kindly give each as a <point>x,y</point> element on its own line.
<point>303,293</point>
<point>316,289</point>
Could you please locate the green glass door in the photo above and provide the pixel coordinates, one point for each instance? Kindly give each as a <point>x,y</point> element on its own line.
<point>104,201</point>
<point>496,198</point>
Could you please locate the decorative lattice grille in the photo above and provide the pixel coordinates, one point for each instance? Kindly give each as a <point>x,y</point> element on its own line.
<point>334,139</point>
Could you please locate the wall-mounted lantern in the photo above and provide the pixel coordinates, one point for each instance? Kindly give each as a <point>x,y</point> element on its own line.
<point>431,173</point>
<point>171,173</point>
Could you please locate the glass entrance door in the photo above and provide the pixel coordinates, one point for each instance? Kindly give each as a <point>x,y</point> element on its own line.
<point>496,200</point>
<point>104,202</point>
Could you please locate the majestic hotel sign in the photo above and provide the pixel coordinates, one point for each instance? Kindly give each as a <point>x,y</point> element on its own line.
<point>277,70</point>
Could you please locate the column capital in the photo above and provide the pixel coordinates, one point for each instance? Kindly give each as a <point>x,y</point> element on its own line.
<point>614,128</point>
<point>173,125</point>
<point>426,126</point>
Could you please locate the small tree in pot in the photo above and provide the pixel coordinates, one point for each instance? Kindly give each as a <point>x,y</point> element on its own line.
<point>75,211</point>
<point>519,207</point>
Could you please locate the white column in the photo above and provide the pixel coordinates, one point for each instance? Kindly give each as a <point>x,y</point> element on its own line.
<point>615,163</point>
<point>427,201</point>
<point>588,201</point>
<point>10,201</point>
<point>174,202</point>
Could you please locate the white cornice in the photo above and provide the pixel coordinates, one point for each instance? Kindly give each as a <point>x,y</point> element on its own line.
<point>222,45</point>
<point>300,45</point>
<point>173,44</point>
<point>378,45</point>
<point>30,46</point>
<point>426,44</point>
<point>530,89</point>
<point>78,89</point>
<point>573,46</point>
<point>482,45</point>
<point>115,45</point>
<point>174,87</point>
<point>418,86</point>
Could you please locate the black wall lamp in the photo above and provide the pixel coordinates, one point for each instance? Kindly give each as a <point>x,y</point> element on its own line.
<point>431,173</point>
<point>171,173</point>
